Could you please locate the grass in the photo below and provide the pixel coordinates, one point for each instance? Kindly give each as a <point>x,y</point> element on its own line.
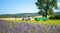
<point>48,22</point>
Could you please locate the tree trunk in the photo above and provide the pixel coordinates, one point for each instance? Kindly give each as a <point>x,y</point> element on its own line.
<point>46,10</point>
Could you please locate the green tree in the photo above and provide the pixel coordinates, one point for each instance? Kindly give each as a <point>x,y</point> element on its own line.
<point>46,6</point>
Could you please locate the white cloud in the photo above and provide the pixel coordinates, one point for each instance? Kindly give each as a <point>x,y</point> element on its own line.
<point>58,4</point>
<point>57,10</point>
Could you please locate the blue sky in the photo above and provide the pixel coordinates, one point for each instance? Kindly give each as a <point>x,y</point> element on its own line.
<point>19,6</point>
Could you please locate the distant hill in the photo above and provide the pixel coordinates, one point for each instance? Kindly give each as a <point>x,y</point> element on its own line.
<point>27,14</point>
<point>19,15</point>
<point>22,15</point>
<point>57,12</point>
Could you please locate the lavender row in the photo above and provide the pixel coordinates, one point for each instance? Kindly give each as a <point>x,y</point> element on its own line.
<point>25,27</point>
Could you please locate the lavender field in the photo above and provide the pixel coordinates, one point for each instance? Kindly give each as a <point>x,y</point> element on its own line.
<point>26,27</point>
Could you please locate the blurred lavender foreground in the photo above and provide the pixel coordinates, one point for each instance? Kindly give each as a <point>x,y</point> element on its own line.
<point>25,27</point>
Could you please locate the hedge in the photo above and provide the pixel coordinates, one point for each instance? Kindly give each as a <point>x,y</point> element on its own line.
<point>55,17</point>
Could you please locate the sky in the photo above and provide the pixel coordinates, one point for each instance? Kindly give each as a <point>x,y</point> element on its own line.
<point>20,6</point>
